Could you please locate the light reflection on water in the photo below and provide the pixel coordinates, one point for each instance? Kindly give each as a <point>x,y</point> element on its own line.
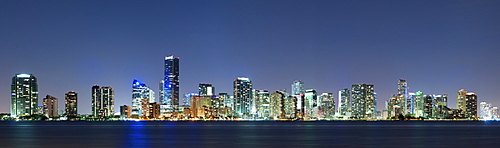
<point>248,134</point>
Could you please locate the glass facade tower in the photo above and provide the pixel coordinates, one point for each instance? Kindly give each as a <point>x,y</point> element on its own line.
<point>170,85</point>
<point>24,95</point>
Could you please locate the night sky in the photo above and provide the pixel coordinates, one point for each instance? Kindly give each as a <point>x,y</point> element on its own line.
<point>440,47</point>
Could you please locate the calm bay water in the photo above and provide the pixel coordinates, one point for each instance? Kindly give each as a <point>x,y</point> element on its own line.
<point>250,134</point>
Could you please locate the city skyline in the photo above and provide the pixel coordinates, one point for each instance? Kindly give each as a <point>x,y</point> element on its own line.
<point>438,48</point>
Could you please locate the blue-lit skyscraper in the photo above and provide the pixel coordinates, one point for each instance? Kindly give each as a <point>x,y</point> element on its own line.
<point>243,96</point>
<point>140,91</point>
<point>298,87</point>
<point>170,86</point>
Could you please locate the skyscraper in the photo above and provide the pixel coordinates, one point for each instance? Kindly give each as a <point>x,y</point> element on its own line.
<point>471,105</point>
<point>311,104</point>
<point>103,102</point>
<point>363,101</point>
<point>419,104</point>
<point>439,102</point>
<point>264,104</point>
<point>402,97</point>
<point>71,104</point>
<point>461,99</point>
<point>206,89</point>
<point>186,99</point>
<point>298,87</point>
<point>50,106</point>
<point>277,105</point>
<point>139,92</point>
<point>242,95</point>
<point>327,106</point>
<point>170,94</point>
<point>24,95</point>
<point>344,102</point>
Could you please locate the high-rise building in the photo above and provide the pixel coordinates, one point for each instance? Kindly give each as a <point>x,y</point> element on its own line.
<point>186,99</point>
<point>24,95</point>
<point>485,110</point>
<point>139,92</point>
<point>206,89</point>
<point>439,102</point>
<point>228,100</point>
<point>277,105</point>
<point>243,96</point>
<point>427,106</point>
<point>327,106</point>
<point>410,103</point>
<point>125,111</point>
<point>170,86</point>
<point>298,87</point>
<point>344,102</point>
<point>311,104</point>
<point>471,105</point>
<point>363,101</point>
<point>71,104</point>
<point>264,104</point>
<point>461,99</point>
<point>402,97</point>
<point>419,104</point>
<point>291,107</point>
<point>103,101</point>
<point>50,106</point>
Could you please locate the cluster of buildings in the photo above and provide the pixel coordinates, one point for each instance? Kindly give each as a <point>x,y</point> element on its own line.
<point>429,106</point>
<point>246,102</point>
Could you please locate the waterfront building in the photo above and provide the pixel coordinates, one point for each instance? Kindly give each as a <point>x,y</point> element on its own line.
<point>438,104</point>
<point>419,104</point>
<point>298,87</point>
<point>150,110</point>
<point>461,104</point>
<point>363,101</point>
<point>311,104</point>
<point>277,105</point>
<point>208,107</point>
<point>410,103</point>
<point>327,106</point>
<point>344,102</point>
<point>427,106</point>
<point>243,99</point>
<point>471,105</point>
<point>264,104</point>
<point>485,110</point>
<point>186,99</point>
<point>291,107</point>
<point>71,104</point>
<point>24,95</point>
<point>50,106</point>
<point>228,99</point>
<point>139,92</point>
<point>103,101</point>
<point>206,89</point>
<point>169,100</point>
<point>402,97</point>
<point>125,111</point>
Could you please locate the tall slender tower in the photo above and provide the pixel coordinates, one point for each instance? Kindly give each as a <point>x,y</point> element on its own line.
<point>402,96</point>
<point>103,102</point>
<point>242,95</point>
<point>170,86</point>
<point>24,95</point>
<point>344,102</point>
<point>71,104</point>
<point>471,105</point>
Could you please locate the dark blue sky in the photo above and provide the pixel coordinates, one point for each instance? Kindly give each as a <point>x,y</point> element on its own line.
<point>438,46</point>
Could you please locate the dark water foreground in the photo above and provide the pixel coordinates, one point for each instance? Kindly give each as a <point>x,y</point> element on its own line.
<point>250,134</point>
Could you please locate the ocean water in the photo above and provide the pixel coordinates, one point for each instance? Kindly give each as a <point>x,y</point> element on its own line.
<point>231,134</point>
